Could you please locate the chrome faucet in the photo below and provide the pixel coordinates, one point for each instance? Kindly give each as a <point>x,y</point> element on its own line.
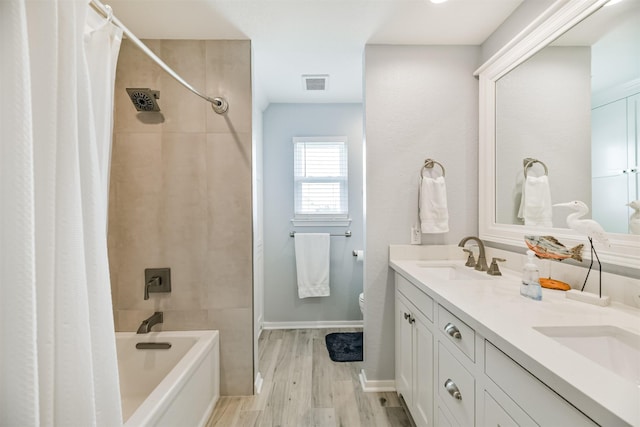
<point>145,326</point>
<point>481,265</point>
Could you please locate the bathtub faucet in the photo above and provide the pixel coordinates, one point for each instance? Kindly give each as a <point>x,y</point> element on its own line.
<point>145,326</point>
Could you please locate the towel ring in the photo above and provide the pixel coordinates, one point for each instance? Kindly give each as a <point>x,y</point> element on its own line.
<point>428,164</point>
<point>528,162</point>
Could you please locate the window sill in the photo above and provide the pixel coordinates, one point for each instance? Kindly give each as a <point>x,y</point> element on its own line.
<point>321,222</point>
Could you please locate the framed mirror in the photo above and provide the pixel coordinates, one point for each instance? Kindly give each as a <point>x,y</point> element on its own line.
<point>551,102</point>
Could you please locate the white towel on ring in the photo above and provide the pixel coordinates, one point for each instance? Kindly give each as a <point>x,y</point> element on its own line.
<point>312,264</point>
<point>434,214</point>
<point>535,204</point>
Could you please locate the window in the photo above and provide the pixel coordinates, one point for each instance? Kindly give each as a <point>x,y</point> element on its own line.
<point>320,178</point>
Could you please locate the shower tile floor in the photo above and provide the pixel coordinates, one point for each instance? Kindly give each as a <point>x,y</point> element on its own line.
<point>303,388</point>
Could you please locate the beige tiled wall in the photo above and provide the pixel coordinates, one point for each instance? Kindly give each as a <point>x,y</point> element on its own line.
<point>180,197</point>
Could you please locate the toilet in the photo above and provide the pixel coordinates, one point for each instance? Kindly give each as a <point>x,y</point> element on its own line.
<point>361,302</point>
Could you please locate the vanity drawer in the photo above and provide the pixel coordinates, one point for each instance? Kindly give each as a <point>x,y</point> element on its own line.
<point>456,387</point>
<point>422,301</point>
<point>500,410</point>
<point>458,332</point>
<point>540,402</point>
<point>443,421</point>
<point>494,415</point>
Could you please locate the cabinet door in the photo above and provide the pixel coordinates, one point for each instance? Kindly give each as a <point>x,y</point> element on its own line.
<point>609,139</point>
<point>423,375</point>
<point>614,162</point>
<point>404,351</point>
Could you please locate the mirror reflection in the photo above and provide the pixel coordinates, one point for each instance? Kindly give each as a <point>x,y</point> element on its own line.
<point>568,125</point>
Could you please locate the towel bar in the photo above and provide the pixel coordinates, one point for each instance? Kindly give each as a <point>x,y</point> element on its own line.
<point>345,234</point>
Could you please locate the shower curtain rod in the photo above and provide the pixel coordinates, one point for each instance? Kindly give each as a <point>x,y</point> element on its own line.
<point>219,104</point>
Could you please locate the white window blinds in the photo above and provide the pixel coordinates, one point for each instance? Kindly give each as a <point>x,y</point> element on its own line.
<point>320,178</point>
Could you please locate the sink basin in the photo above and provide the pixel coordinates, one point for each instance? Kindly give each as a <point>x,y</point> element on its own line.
<point>453,272</point>
<point>611,347</point>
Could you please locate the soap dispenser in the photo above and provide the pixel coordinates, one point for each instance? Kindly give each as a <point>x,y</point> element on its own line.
<point>530,286</point>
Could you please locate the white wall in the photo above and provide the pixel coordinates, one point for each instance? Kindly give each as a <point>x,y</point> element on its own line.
<point>282,122</point>
<point>420,102</point>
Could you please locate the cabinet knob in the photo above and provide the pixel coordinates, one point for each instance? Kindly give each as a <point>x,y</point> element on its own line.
<point>454,332</point>
<point>453,389</point>
<point>412,320</point>
<point>407,316</point>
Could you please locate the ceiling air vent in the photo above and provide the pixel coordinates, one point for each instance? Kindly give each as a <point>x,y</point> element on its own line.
<point>315,82</point>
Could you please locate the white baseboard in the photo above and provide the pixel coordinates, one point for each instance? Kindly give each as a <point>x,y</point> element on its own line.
<point>257,385</point>
<point>260,327</point>
<point>369,386</point>
<point>319,324</point>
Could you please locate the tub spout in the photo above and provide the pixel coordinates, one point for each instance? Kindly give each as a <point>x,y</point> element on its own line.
<point>145,326</point>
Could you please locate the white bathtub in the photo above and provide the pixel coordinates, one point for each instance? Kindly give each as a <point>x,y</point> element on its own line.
<point>169,387</point>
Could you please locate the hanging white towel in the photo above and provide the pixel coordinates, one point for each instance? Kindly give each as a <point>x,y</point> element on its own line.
<point>312,264</point>
<point>434,214</point>
<point>535,204</point>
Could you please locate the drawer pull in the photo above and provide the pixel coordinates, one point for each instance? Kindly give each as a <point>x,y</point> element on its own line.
<point>409,318</point>
<point>453,389</point>
<point>454,332</point>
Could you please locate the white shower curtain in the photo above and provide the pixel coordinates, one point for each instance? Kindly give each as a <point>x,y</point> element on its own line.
<point>57,346</point>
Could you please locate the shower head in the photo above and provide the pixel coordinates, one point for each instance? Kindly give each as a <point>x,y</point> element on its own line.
<point>144,99</point>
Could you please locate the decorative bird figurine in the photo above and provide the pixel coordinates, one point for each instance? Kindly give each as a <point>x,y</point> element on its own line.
<point>589,228</point>
<point>634,219</point>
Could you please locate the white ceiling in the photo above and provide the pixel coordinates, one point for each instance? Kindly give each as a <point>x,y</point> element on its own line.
<point>295,37</point>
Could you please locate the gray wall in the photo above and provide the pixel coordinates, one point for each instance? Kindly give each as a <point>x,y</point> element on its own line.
<point>281,122</point>
<point>421,101</point>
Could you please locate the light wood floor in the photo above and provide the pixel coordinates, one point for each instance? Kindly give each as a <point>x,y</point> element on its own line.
<point>304,388</point>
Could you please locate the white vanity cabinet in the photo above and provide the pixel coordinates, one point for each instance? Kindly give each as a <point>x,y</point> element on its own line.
<point>414,350</point>
<point>449,374</point>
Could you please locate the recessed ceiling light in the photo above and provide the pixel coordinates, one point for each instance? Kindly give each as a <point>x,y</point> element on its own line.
<point>612,2</point>
<point>438,1</point>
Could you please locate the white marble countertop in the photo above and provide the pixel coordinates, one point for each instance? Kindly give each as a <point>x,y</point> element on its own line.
<point>496,310</point>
